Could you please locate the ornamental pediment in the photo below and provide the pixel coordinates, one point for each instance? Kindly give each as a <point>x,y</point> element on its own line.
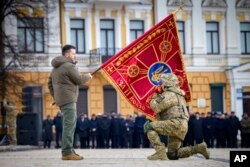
<point>243,4</point>
<point>214,3</point>
<point>186,3</point>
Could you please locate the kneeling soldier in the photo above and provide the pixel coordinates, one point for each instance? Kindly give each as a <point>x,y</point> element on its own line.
<point>172,121</point>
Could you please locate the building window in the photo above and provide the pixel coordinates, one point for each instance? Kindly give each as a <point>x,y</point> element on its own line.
<point>181,30</point>
<point>136,29</point>
<point>77,30</point>
<point>30,35</point>
<point>245,37</point>
<point>82,101</point>
<point>217,97</point>
<point>110,99</point>
<point>212,37</point>
<point>107,29</point>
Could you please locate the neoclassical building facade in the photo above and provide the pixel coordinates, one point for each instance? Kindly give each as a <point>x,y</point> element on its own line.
<point>214,35</point>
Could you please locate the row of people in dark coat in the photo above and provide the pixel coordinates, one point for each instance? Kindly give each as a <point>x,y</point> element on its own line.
<point>47,130</point>
<point>103,131</point>
<point>217,130</point>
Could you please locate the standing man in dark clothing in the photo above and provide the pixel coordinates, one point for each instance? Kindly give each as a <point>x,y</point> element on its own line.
<point>208,129</point>
<point>93,131</point>
<point>234,127</point>
<point>139,133</point>
<point>47,131</point>
<point>58,127</point>
<point>123,128</point>
<point>219,130</point>
<point>99,137</point>
<point>245,131</point>
<point>189,138</point>
<point>197,128</point>
<point>63,85</point>
<point>227,130</point>
<point>104,126</point>
<point>115,131</point>
<point>82,126</point>
<point>129,130</point>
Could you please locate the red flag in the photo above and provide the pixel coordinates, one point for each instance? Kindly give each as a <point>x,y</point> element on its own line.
<point>134,71</point>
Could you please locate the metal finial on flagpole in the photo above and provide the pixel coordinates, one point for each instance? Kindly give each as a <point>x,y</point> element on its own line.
<point>181,7</point>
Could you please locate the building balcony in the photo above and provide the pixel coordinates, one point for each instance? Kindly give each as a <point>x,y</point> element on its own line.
<point>42,61</point>
<point>96,57</point>
<point>103,53</point>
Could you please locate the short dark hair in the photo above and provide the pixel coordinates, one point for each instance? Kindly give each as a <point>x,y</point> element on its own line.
<point>66,48</point>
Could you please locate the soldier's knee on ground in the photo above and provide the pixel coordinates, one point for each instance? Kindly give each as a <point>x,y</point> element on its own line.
<point>172,156</point>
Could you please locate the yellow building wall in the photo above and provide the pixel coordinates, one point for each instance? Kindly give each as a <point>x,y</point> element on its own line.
<point>95,94</point>
<point>32,78</point>
<point>200,88</point>
<point>199,81</point>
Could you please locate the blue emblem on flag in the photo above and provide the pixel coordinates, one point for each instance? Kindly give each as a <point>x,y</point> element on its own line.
<point>155,70</point>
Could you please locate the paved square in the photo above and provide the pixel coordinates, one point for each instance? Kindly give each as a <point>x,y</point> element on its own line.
<point>107,158</point>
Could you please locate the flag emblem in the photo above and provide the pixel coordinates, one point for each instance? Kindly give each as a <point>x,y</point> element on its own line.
<point>156,70</point>
<point>165,47</point>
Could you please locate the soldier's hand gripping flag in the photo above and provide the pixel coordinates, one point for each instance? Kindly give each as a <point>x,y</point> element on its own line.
<point>135,70</point>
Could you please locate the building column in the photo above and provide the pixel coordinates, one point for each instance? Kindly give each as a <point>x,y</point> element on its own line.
<point>198,29</point>
<point>67,26</point>
<point>54,45</point>
<point>233,39</point>
<point>88,30</point>
<point>118,23</point>
<point>160,10</point>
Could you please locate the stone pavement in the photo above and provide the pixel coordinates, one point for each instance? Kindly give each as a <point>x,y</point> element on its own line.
<point>28,156</point>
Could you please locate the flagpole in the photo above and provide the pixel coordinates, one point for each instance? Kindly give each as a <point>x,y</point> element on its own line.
<point>181,7</point>
<point>96,70</point>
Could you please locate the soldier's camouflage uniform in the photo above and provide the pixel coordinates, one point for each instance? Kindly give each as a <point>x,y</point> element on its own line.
<point>172,121</point>
<point>11,113</point>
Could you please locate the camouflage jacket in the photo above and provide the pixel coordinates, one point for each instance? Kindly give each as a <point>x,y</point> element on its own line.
<point>245,125</point>
<point>11,113</point>
<point>169,104</point>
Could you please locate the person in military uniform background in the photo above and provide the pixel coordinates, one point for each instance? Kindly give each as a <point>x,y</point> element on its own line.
<point>11,113</point>
<point>171,121</point>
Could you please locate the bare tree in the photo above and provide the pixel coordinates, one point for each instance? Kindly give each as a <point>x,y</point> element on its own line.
<point>11,60</point>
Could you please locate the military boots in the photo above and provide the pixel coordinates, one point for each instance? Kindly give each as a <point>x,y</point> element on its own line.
<point>202,149</point>
<point>159,155</point>
<point>185,152</point>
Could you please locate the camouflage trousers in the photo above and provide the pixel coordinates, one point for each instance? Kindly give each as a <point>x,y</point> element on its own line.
<point>175,130</point>
<point>12,133</point>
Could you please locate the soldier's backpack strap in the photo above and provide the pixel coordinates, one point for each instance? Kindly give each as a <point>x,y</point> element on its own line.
<point>183,108</point>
